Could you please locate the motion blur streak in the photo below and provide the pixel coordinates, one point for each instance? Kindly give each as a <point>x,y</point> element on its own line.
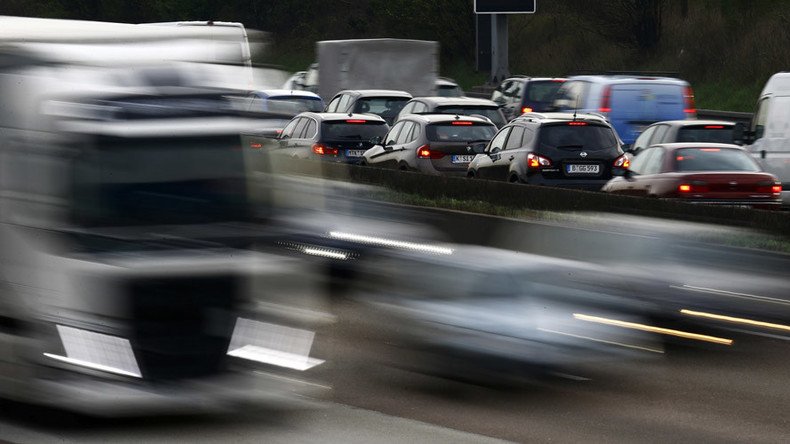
<point>653,329</point>
<point>87,364</point>
<point>325,253</point>
<point>621,344</point>
<point>391,243</point>
<point>735,320</point>
<point>732,294</point>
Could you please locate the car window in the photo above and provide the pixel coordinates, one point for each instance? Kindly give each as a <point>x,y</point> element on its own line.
<point>513,92</point>
<point>405,133</point>
<point>514,141</point>
<point>643,140</point>
<point>293,104</point>
<point>658,135</point>
<point>542,91</point>
<point>590,138</point>
<point>393,134</point>
<point>713,159</point>
<point>415,132</point>
<point>289,129</point>
<point>407,109</point>
<point>449,131</point>
<point>639,161</point>
<point>298,131</point>
<point>655,162</point>
<point>420,107</point>
<point>497,95</point>
<point>342,106</point>
<point>498,141</point>
<point>706,133</point>
<point>352,129</point>
<point>760,117</point>
<point>332,107</point>
<point>309,129</point>
<point>571,95</point>
<point>528,137</point>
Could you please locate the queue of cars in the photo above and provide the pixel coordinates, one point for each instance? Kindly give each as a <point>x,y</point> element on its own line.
<point>622,134</point>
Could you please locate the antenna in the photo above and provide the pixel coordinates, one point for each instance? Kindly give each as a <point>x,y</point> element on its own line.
<point>576,107</point>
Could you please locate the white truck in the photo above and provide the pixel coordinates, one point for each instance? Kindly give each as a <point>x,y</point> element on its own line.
<point>404,65</point>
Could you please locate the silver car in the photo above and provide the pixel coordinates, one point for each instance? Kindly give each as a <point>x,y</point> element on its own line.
<point>432,143</point>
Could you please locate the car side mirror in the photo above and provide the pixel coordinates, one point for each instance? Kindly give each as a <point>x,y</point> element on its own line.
<point>494,150</point>
<point>387,147</point>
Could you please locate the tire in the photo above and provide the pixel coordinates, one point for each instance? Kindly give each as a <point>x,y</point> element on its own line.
<point>514,179</point>
<point>471,175</point>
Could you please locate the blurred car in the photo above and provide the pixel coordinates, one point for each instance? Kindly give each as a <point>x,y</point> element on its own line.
<point>630,102</point>
<point>712,173</point>
<point>295,81</point>
<point>678,131</point>
<point>283,101</point>
<point>332,137</point>
<point>381,102</point>
<point>522,94</point>
<point>481,313</point>
<point>448,88</point>
<point>455,105</point>
<point>432,143</point>
<point>555,149</point>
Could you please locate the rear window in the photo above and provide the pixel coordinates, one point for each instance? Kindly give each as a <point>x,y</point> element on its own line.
<point>582,136</point>
<point>352,129</point>
<point>706,133</point>
<point>713,159</point>
<point>542,90</point>
<point>492,112</point>
<point>380,105</point>
<point>295,105</point>
<point>449,91</point>
<point>449,132</point>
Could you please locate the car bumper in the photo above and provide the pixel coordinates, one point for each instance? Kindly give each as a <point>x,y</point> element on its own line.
<point>762,204</point>
<point>577,184</point>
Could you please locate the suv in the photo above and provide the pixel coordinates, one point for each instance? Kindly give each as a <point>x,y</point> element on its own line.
<point>556,149</point>
<point>519,95</point>
<point>432,143</point>
<point>630,102</point>
<point>381,102</point>
<point>455,105</point>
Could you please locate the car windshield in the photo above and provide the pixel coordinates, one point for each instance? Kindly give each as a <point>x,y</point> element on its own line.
<point>453,132</point>
<point>714,159</point>
<point>580,136</point>
<point>706,133</point>
<point>542,91</point>
<point>295,105</point>
<point>492,112</point>
<point>353,129</point>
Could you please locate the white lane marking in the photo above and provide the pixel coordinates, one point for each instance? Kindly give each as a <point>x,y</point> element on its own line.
<point>731,294</point>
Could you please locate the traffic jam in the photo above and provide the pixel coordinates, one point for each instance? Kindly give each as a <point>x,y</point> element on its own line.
<point>182,251</point>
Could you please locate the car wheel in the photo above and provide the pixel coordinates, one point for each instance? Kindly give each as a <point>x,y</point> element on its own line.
<point>514,179</point>
<point>403,167</point>
<point>471,174</point>
<point>363,163</point>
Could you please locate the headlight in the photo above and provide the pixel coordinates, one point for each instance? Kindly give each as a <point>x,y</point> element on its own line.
<point>272,344</point>
<point>97,351</point>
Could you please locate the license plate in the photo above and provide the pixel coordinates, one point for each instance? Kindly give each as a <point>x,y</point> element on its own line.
<point>462,158</point>
<point>354,153</point>
<point>582,169</point>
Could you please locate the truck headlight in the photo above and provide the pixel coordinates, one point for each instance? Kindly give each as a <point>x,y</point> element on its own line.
<point>272,344</point>
<point>97,351</point>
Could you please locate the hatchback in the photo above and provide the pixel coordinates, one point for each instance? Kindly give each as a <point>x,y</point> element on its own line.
<point>712,173</point>
<point>432,143</point>
<point>675,131</point>
<point>332,137</point>
<point>555,149</point>
<point>519,95</point>
<point>382,102</point>
<point>455,105</point>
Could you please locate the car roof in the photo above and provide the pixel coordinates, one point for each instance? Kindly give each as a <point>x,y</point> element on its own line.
<point>561,117</point>
<point>287,92</point>
<point>534,79</point>
<point>341,116</point>
<point>444,81</point>
<point>375,93</point>
<point>687,122</point>
<point>627,78</point>
<point>681,145</point>
<point>440,118</point>
<point>455,101</point>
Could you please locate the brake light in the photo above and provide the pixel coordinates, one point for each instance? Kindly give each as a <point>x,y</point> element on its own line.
<point>526,109</point>
<point>684,188</point>
<point>323,150</point>
<point>255,145</point>
<point>696,186</point>
<point>622,162</point>
<point>688,100</point>
<point>558,80</point>
<point>710,150</point>
<point>462,122</point>
<point>536,161</point>
<point>356,121</point>
<point>574,123</point>
<point>714,126</point>
<point>776,189</point>
<point>425,152</point>
<point>606,100</point>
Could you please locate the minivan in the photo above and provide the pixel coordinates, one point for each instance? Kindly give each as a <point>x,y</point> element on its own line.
<point>630,102</point>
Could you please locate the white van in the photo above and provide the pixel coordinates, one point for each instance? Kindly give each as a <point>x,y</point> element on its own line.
<point>768,137</point>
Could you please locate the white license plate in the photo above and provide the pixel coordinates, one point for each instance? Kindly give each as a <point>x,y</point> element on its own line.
<point>354,153</point>
<point>462,158</point>
<point>582,169</point>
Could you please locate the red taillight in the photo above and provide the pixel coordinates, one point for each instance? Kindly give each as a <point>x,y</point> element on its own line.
<point>255,145</point>
<point>684,188</point>
<point>622,162</point>
<point>526,109</point>
<point>577,123</point>
<point>462,122</point>
<point>425,152</point>
<point>696,186</point>
<point>558,80</point>
<point>606,100</point>
<point>688,101</point>
<point>714,126</point>
<point>776,189</point>
<point>323,150</point>
<point>535,161</point>
<point>710,150</point>
<point>355,121</point>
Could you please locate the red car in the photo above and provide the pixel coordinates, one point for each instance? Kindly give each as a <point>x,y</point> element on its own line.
<point>711,173</point>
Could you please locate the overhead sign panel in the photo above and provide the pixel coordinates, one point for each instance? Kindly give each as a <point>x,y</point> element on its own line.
<point>505,6</point>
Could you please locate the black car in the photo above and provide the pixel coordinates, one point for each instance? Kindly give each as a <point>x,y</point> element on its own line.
<point>519,95</point>
<point>455,105</point>
<point>382,102</point>
<point>333,137</point>
<point>555,149</point>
